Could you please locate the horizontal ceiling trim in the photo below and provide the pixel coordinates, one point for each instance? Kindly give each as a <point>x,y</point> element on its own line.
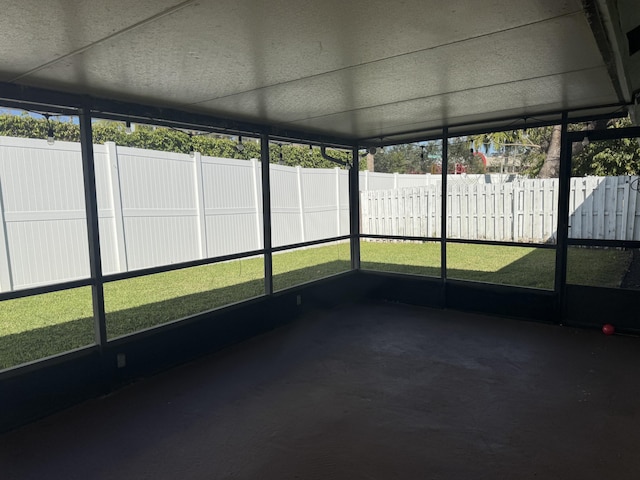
<point>511,123</point>
<point>38,99</point>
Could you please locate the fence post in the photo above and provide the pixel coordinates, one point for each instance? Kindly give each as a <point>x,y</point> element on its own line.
<point>515,227</point>
<point>116,204</point>
<point>300,202</point>
<point>256,200</point>
<point>200,208</point>
<point>364,211</point>
<point>602,208</point>
<point>631,208</point>
<point>6,284</point>
<point>338,212</point>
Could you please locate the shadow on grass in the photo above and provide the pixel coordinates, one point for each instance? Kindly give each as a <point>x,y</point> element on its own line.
<point>536,269</point>
<point>38,343</point>
<point>425,271</point>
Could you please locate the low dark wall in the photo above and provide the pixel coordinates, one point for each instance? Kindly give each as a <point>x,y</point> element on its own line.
<point>460,295</point>
<point>526,303</point>
<point>40,390</point>
<point>34,391</point>
<point>414,290</point>
<point>592,307</point>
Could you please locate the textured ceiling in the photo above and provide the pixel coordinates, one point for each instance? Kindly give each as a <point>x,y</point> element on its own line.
<point>357,69</point>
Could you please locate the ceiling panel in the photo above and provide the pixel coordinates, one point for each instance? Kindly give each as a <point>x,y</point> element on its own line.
<point>548,48</point>
<point>356,68</point>
<point>524,98</point>
<point>36,32</point>
<point>220,47</point>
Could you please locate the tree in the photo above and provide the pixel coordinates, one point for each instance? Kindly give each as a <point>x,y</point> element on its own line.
<point>407,158</point>
<point>461,152</point>
<point>551,166</point>
<point>527,145</point>
<point>303,156</point>
<point>26,126</point>
<point>167,140</point>
<point>538,149</point>
<point>608,157</point>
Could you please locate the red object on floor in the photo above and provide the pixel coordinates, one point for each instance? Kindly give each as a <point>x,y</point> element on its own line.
<point>608,329</point>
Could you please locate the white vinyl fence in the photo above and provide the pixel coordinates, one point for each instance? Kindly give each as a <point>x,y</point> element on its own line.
<point>154,208</point>
<point>524,210</point>
<point>393,181</point>
<point>157,208</point>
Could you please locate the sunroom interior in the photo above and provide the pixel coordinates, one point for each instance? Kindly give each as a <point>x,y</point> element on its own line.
<point>258,235</point>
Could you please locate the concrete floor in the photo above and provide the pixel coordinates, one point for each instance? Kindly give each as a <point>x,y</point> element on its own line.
<point>363,392</point>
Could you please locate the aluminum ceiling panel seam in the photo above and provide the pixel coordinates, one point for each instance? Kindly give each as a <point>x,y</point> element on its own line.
<point>164,13</point>
<point>379,60</point>
<point>452,92</point>
<point>476,119</point>
<point>538,119</point>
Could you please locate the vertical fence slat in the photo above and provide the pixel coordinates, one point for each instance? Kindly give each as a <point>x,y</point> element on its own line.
<point>602,208</point>
<point>200,210</point>
<point>300,203</point>
<point>611,184</point>
<point>337,197</point>
<point>114,181</point>
<point>415,213</point>
<point>587,209</point>
<point>631,208</point>
<point>6,284</point>
<point>256,182</point>
<point>366,206</point>
<point>575,209</point>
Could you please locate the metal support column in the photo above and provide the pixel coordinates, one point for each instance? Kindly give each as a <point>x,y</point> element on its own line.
<point>93,234</point>
<point>266,214</point>
<point>354,209</point>
<point>563,220</point>
<point>443,220</point>
<point>443,199</point>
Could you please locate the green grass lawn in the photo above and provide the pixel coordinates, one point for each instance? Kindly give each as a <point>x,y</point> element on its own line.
<point>521,266</point>
<point>43,325</point>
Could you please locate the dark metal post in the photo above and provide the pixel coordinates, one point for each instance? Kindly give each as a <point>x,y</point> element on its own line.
<point>443,199</point>
<point>564,181</point>
<point>354,209</point>
<point>93,234</point>
<point>266,214</point>
<point>443,220</point>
